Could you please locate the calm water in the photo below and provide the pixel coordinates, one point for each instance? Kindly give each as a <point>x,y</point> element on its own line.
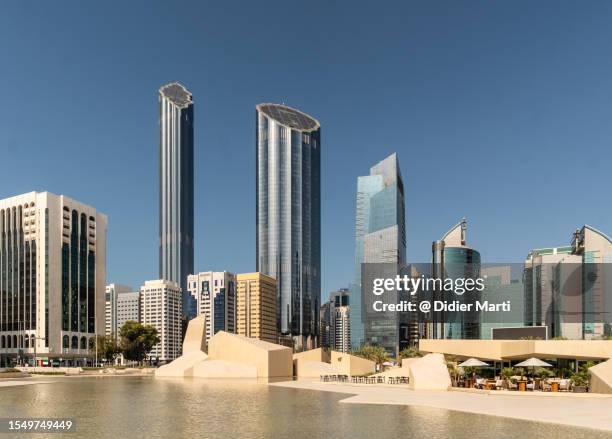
<point>145,407</point>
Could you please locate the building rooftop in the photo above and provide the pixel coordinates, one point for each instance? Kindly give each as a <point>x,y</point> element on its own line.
<point>177,94</point>
<point>289,117</point>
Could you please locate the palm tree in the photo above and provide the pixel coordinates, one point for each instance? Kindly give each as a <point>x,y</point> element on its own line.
<point>377,354</point>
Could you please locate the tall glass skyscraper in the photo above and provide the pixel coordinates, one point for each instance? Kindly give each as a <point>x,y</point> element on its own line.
<point>380,238</point>
<point>289,216</point>
<point>176,188</point>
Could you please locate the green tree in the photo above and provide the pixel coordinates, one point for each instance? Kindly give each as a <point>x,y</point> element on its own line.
<point>107,347</point>
<point>137,340</point>
<point>377,354</point>
<point>410,352</point>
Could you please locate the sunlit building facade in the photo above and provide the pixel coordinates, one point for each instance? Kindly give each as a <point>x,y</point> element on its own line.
<point>214,293</point>
<point>256,299</point>
<point>52,279</point>
<point>176,188</point>
<point>288,216</point>
<point>380,238</point>
<point>160,307</point>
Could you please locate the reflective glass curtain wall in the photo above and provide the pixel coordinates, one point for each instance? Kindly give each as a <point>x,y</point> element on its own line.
<point>176,188</point>
<point>288,216</point>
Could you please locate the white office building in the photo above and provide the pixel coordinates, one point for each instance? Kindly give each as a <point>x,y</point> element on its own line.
<point>128,308</point>
<point>160,307</point>
<point>52,278</point>
<point>215,296</point>
<point>112,293</point>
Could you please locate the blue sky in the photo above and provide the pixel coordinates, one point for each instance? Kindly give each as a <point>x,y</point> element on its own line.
<point>499,111</point>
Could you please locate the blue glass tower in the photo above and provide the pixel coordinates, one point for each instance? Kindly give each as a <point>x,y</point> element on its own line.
<point>380,237</point>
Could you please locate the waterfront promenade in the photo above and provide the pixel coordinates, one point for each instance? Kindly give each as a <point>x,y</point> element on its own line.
<point>579,410</point>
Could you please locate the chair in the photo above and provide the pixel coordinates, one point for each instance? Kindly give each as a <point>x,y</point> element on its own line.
<point>546,387</point>
<point>512,385</point>
<point>480,383</point>
<point>391,380</point>
<point>499,384</point>
<point>564,385</point>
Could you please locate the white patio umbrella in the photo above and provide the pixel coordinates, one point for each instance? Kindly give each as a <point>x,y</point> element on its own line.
<point>473,362</point>
<point>533,362</point>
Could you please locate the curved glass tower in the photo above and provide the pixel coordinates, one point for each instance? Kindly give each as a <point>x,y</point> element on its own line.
<point>176,188</point>
<point>289,216</point>
<point>453,259</point>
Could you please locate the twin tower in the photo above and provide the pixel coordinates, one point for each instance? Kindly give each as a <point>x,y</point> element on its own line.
<point>288,206</point>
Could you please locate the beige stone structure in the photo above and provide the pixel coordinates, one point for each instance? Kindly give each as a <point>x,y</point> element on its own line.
<point>256,306</point>
<point>349,364</point>
<point>194,347</point>
<point>316,362</point>
<point>271,360</point>
<point>500,350</point>
<point>429,373</point>
<point>229,356</point>
<point>600,378</point>
<point>313,363</point>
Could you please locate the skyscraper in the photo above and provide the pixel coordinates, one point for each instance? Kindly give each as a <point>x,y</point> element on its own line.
<point>380,238</point>
<point>453,259</point>
<point>288,216</point>
<point>176,188</point>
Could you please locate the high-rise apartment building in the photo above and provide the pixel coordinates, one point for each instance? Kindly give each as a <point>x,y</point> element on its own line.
<point>160,307</point>
<point>256,299</point>
<point>339,309</point>
<point>52,278</point>
<point>176,188</point>
<point>288,216</point>
<point>341,329</point>
<point>214,293</point>
<point>325,325</point>
<point>112,293</point>
<point>380,238</point>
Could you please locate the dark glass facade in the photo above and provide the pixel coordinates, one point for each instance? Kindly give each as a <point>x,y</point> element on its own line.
<point>176,188</point>
<point>288,218</point>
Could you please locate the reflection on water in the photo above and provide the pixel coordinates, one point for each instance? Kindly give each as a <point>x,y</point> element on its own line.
<point>146,407</point>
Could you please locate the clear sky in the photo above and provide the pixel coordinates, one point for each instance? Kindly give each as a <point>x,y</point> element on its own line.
<point>500,111</point>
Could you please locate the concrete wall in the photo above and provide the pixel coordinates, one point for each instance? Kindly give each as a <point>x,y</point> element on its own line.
<point>600,380</point>
<point>195,337</point>
<point>349,364</point>
<point>429,373</point>
<point>271,360</point>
